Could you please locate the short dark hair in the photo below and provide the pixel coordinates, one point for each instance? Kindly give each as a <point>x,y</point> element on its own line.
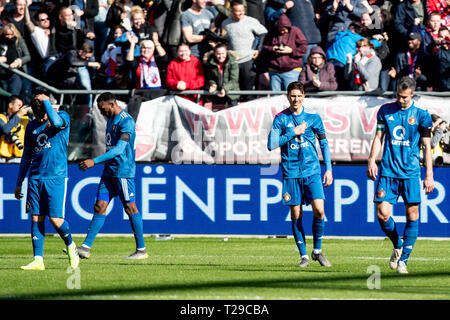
<point>296,85</point>
<point>87,47</point>
<point>38,108</point>
<point>236,2</point>
<point>13,98</point>
<point>406,83</point>
<point>183,44</point>
<point>220,45</point>
<point>434,117</point>
<point>106,97</point>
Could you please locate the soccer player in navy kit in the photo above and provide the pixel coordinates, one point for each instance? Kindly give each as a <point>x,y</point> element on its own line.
<point>118,174</point>
<point>294,130</point>
<point>45,157</point>
<point>404,126</point>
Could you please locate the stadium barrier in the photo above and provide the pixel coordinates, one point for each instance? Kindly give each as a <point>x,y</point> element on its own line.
<point>233,198</point>
<point>174,129</point>
<point>226,200</point>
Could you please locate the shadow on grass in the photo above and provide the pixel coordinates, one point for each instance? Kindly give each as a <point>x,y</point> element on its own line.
<point>332,282</point>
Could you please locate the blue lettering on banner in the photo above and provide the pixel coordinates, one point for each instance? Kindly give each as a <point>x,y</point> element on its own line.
<point>226,199</point>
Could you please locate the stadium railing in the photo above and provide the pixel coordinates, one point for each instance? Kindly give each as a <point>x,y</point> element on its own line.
<point>79,149</point>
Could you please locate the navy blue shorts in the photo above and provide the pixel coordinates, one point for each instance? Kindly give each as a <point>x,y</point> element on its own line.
<point>110,187</point>
<point>47,197</point>
<point>389,189</point>
<point>299,191</point>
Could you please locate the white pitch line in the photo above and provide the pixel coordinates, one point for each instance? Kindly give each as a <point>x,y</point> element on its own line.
<point>414,258</point>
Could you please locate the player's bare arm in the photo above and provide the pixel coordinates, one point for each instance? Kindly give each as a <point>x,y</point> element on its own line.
<point>372,168</point>
<point>428,182</point>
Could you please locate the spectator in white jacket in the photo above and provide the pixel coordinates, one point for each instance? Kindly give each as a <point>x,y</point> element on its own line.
<point>245,37</point>
<point>363,70</point>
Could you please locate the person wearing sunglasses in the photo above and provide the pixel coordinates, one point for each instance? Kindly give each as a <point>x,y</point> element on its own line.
<point>43,39</point>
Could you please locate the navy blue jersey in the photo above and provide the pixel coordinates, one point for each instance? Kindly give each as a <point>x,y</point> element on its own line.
<point>299,156</point>
<point>124,164</point>
<point>402,128</point>
<point>46,147</point>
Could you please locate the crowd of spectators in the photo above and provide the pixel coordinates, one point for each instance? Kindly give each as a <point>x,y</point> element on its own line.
<point>223,45</point>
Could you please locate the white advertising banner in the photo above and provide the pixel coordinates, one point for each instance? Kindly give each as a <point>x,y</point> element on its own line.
<point>177,130</point>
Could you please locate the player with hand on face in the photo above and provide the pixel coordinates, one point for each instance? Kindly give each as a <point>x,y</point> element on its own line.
<point>45,157</point>
<point>118,174</point>
<point>294,130</point>
<point>403,126</point>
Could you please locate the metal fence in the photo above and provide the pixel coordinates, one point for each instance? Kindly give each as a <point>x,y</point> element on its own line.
<point>81,136</point>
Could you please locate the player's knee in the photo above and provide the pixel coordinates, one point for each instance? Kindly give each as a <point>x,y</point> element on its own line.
<point>100,208</point>
<point>382,216</point>
<point>412,213</point>
<point>296,212</point>
<point>319,214</point>
<point>130,208</point>
<point>56,222</point>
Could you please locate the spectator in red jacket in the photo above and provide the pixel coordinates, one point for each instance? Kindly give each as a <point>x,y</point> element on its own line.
<point>185,72</point>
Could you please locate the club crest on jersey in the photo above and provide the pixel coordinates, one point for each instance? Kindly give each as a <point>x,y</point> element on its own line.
<point>381,193</point>
<point>412,120</point>
<point>287,197</point>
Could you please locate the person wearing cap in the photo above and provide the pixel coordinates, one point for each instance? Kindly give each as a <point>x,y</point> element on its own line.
<point>413,62</point>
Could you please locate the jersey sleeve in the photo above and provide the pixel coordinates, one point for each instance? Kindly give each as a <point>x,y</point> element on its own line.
<point>318,127</point>
<point>277,136</point>
<point>381,122</point>
<point>319,130</point>
<point>66,118</point>
<point>426,121</point>
<point>26,157</point>
<point>127,126</point>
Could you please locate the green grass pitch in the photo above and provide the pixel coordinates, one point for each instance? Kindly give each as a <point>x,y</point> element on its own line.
<point>200,268</point>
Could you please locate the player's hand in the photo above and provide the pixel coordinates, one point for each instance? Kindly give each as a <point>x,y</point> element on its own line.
<point>41,97</point>
<point>18,193</point>
<point>372,170</point>
<point>428,185</point>
<point>301,128</point>
<point>86,164</point>
<point>327,178</point>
